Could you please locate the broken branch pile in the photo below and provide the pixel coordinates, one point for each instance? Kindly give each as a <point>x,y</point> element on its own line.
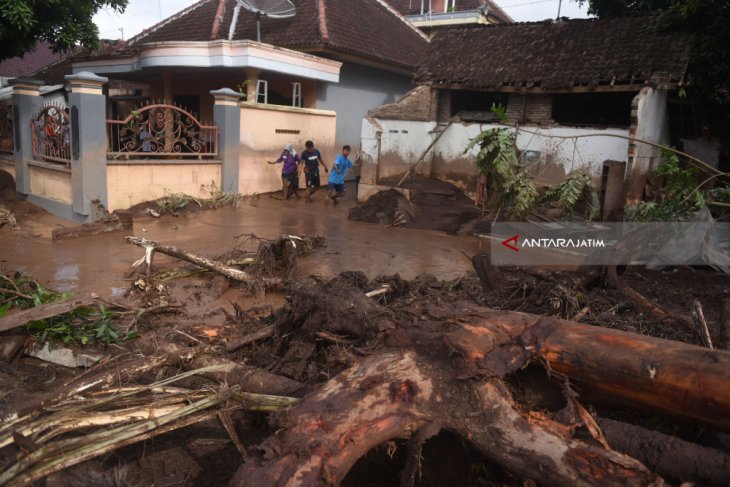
<point>71,430</point>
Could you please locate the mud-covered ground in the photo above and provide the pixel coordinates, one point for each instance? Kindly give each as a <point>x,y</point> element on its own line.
<point>324,322</point>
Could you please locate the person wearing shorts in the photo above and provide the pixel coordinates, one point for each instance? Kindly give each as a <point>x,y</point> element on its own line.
<point>312,159</point>
<point>336,181</point>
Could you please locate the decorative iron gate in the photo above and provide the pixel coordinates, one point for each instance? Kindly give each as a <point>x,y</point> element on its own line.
<point>51,135</point>
<point>161,130</point>
<point>6,128</point>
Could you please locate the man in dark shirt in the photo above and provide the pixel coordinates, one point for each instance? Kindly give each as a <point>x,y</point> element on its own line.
<point>312,159</point>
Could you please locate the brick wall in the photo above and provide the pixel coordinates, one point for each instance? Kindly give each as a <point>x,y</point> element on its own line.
<point>534,109</point>
<point>418,104</point>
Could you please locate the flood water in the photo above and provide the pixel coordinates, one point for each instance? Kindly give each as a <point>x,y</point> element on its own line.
<point>98,264</point>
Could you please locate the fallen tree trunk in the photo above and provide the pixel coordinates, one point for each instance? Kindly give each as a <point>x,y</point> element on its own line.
<point>671,457</point>
<point>394,394</point>
<point>450,379</point>
<point>42,312</point>
<point>644,372</point>
<point>151,246</point>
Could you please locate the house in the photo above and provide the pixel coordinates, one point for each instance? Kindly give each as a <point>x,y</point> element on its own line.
<point>431,16</point>
<point>197,102</point>
<point>200,48</point>
<point>40,57</point>
<point>583,93</point>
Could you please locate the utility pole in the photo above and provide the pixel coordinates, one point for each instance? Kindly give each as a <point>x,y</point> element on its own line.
<point>560,4</point>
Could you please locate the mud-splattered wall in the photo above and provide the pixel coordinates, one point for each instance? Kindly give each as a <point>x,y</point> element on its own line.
<point>394,145</point>
<point>132,182</point>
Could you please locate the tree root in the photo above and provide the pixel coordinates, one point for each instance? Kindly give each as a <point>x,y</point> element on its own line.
<point>396,395</point>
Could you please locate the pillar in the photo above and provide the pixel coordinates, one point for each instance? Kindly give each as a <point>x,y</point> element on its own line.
<point>27,103</point>
<point>252,78</point>
<point>227,116</point>
<point>88,141</point>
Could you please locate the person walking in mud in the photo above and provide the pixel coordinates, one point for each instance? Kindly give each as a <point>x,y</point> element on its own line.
<point>289,171</point>
<point>336,181</point>
<point>312,159</point>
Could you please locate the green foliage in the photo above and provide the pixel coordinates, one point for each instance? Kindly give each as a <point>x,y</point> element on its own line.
<point>497,159</point>
<point>80,327</point>
<point>21,291</point>
<point>65,24</point>
<point>721,194</point>
<point>678,198</point>
<point>500,111</point>
<point>4,309</point>
<point>575,192</point>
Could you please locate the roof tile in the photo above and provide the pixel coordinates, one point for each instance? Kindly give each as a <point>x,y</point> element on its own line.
<point>555,55</point>
<point>32,61</point>
<point>366,28</point>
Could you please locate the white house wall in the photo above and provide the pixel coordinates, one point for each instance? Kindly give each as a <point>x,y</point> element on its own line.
<point>402,142</point>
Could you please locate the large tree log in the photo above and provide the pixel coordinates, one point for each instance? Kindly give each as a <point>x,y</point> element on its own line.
<point>392,395</point>
<point>622,368</point>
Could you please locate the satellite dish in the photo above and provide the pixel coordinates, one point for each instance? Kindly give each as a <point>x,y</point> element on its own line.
<point>276,9</point>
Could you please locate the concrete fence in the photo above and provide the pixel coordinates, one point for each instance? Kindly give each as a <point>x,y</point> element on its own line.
<point>62,158</point>
<point>75,163</point>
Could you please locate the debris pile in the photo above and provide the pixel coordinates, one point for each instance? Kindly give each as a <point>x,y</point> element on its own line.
<point>499,378</point>
<point>431,204</point>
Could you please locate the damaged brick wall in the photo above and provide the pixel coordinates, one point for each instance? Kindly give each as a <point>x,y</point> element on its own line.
<point>419,104</point>
<point>534,109</point>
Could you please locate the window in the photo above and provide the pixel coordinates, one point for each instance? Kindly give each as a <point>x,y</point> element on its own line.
<point>601,109</point>
<point>476,101</point>
<point>296,95</point>
<point>262,91</point>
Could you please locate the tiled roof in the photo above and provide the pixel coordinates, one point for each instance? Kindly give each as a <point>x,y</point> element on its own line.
<point>53,74</point>
<point>413,7</point>
<point>554,55</point>
<point>365,28</point>
<point>31,62</point>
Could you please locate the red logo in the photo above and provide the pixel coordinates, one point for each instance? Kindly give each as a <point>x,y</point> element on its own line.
<point>511,243</point>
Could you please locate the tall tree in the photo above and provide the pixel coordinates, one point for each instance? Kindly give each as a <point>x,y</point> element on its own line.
<point>63,23</point>
<point>709,68</point>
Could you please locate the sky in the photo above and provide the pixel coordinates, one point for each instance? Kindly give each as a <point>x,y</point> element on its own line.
<point>141,14</point>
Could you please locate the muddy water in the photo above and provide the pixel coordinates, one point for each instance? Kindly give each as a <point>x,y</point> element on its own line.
<point>98,264</point>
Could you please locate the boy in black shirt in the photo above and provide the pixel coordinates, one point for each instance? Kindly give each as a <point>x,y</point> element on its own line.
<point>312,159</point>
